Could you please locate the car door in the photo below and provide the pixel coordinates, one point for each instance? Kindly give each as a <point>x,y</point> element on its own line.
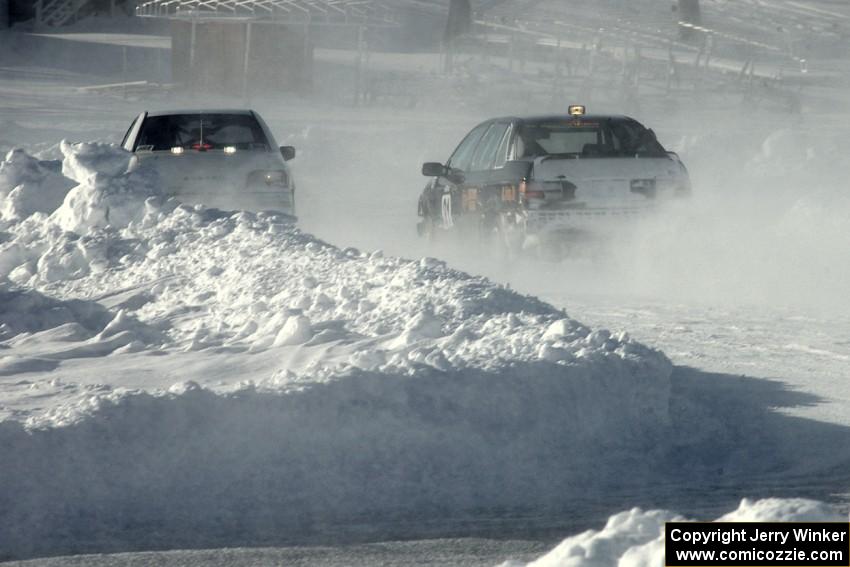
<point>483,190</point>
<point>473,196</point>
<point>442,197</point>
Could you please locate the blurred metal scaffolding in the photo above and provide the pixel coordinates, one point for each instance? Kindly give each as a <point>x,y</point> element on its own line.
<point>358,12</point>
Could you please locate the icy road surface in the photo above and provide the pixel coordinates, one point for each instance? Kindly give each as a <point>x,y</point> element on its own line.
<point>434,553</point>
<point>633,538</point>
<point>810,353</point>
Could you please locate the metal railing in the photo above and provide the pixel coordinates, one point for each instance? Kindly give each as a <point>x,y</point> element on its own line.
<point>55,13</point>
<point>342,11</point>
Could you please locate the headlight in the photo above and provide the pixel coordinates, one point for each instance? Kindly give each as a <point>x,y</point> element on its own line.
<point>268,179</point>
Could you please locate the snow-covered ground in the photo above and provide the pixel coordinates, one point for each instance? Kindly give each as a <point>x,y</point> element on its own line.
<point>174,377</point>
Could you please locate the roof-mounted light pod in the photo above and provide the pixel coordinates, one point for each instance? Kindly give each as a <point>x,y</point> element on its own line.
<point>576,110</point>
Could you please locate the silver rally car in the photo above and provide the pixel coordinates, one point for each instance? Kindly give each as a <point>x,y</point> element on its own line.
<point>227,159</point>
<point>548,176</point>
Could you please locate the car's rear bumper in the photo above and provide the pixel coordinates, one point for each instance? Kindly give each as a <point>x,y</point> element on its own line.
<point>537,221</point>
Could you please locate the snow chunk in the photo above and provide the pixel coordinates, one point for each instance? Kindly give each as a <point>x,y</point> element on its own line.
<point>295,331</point>
<point>783,510</point>
<point>110,192</point>
<point>85,159</point>
<point>29,185</point>
<point>425,325</point>
<point>182,388</point>
<point>554,354</point>
<point>563,329</point>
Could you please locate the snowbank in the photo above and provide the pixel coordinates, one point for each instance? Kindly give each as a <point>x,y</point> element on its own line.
<point>259,283</point>
<point>29,185</point>
<point>313,385</point>
<point>76,328</point>
<point>111,192</point>
<point>636,538</point>
<point>28,311</point>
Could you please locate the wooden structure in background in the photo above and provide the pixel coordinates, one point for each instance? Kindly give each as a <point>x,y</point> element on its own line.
<point>237,47</point>
<point>237,57</point>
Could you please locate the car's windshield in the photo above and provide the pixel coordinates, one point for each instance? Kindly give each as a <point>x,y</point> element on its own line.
<point>201,131</point>
<point>588,138</point>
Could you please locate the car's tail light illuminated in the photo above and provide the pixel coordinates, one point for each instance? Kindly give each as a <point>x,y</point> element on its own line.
<point>546,190</point>
<point>202,147</point>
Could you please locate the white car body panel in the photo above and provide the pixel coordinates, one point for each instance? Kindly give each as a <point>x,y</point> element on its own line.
<point>604,182</point>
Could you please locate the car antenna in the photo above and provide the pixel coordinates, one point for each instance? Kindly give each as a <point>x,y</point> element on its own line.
<point>201,142</point>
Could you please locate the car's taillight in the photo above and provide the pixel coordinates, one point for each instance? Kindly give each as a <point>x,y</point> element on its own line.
<point>546,190</point>
<point>531,190</point>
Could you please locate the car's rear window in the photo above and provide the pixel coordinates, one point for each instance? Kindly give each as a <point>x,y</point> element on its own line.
<point>204,131</point>
<point>590,138</point>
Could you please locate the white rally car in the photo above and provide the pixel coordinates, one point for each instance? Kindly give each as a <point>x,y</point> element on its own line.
<point>549,178</point>
<point>227,159</point>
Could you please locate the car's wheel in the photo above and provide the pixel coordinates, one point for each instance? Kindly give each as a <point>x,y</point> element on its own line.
<point>500,236</point>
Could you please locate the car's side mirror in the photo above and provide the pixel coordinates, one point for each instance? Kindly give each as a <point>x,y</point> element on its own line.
<point>434,169</point>
<point>288,152</point>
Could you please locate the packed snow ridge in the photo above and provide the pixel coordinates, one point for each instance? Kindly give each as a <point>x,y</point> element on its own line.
<point>636,538</point>
<point>204,279</point>
<point>185,376</point>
